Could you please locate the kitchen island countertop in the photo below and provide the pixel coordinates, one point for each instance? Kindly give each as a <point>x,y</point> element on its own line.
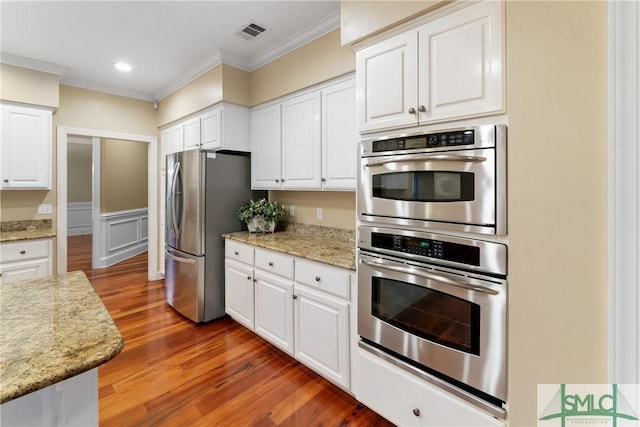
<point>52,329</point>
<point>335,247</point>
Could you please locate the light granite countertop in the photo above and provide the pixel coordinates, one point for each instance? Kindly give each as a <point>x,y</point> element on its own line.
<point>327,245</point>
<point>11,231</point>
<point>52,329</point>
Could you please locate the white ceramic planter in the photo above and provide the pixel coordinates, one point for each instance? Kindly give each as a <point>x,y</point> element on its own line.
<point>260,225</point>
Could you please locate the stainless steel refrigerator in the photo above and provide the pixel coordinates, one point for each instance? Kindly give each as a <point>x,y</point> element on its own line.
<point>204,193</point>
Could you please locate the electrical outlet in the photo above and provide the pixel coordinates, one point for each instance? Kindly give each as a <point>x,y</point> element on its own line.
<point>45,209</point>
<point>319,213</point>
<point>292,210</point>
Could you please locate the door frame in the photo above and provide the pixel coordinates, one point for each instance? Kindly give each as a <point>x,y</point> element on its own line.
<point>63,133</point>
<point>623,192</point>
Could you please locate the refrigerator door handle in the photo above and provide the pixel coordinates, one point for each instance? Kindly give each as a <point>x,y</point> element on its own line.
<point>180,259</point>
<point>174,182</point>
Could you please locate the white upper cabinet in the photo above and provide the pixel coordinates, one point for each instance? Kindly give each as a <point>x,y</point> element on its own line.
<point>448,68</point>
<point>192,134</point>
<point>222,127</point>
<point>266,148</point>
<point>25,148</point>
<point>307,141</point>
<point>301,142</point>
<point>339,136</point>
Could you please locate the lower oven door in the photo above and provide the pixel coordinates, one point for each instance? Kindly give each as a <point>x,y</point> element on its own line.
<point>443,321</point>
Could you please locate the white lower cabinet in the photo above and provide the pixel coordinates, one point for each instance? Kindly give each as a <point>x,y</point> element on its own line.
<point>302,307</point>
<point>408,401</point>
<point>274,310</point>
<point>238,292</point>
<point>22,260</point>
<point>322,334</point>
<point>71,403</point>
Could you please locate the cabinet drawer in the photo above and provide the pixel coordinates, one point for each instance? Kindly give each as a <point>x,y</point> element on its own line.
<point>329,279</point>
<point>23,250</point>
<point>276,263</point>
<point>406,400</point>
<point>239,252</point>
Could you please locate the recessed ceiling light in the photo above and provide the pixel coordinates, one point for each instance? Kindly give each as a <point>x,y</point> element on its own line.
<point>123,66</point>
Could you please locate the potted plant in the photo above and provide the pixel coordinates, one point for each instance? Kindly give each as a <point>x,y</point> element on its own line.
<point>261,216</point>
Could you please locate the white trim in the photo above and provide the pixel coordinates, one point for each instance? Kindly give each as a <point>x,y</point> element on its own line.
<point>624,192</point>
<point>32,64</point>
<point>123,234</point>
<point>152,156</point>
<point>95,200</point>
<point>98,87</point>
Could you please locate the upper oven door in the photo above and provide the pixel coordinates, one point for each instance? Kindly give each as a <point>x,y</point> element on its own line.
<point>455,188</point>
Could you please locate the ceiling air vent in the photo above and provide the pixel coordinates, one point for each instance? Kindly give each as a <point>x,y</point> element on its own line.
<point>252,30</point>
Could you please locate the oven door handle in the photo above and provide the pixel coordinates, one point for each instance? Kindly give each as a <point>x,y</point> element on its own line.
<point>430,276</point>
<point>427,158</point>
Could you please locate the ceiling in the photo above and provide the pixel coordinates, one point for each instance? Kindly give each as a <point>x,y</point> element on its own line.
<point>168,43</point>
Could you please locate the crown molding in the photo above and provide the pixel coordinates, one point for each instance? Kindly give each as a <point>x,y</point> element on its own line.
<point>209,62</point>
<point>32,64</point>
<point>98,87</point>
<point>319,29</point>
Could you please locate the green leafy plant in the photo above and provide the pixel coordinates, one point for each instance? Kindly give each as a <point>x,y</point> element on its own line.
<point>268,211</point>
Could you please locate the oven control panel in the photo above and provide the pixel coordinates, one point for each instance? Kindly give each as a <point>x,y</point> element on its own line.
<point>429,248</point>
<point>432,140</point>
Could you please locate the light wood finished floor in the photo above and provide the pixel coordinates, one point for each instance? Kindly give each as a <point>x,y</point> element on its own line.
<point>175,373</point>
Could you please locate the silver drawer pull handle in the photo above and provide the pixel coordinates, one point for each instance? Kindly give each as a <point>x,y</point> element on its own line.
<point>317,278</point>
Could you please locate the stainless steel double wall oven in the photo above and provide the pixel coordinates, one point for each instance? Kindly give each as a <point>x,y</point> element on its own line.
<point>432,296</point>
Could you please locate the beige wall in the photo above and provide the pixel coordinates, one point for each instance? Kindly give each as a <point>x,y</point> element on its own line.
<point>28,86</point>
<point>79,172</point>
<point>338,208</point>
<point>123,183</point>
<point>557,106</point>
<point>222,83</point>
<point>317,61</point>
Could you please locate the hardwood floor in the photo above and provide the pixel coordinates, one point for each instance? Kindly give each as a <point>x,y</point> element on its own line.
<point>173,372</point>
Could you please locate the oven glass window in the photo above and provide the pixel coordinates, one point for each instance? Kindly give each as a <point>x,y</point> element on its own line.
<point>425,186</point>
<point>428,314</point>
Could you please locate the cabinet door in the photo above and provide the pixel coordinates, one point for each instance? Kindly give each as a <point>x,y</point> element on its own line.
<point>25,148</point>
<point>192,134</point>
<point>274,310</point>
<point>265,148</point>
<point>212,130</point>
<point>177,139</point>
<point>322,334</point>
<point>339,137</point>
<point>301,144</point>
<point>238,292</point>
<point>23,270</point>
<point>386,79</point>
<point>460,63</point>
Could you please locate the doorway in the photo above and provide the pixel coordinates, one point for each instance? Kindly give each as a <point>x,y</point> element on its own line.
<point>63,134</point>
<point>107,212</point>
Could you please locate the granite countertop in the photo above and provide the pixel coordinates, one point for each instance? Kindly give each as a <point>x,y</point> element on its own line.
<point>327,245</point>
<point>51,329</point>
<point>11,231</point>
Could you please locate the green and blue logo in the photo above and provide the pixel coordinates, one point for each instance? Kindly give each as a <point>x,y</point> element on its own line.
<point>590,404</point>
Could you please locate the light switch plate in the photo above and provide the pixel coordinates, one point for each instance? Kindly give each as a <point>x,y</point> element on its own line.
<point>45,209</point>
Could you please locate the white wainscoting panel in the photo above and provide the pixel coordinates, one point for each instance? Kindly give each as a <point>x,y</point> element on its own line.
<point>124,234</point>
<point>79,220</point>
